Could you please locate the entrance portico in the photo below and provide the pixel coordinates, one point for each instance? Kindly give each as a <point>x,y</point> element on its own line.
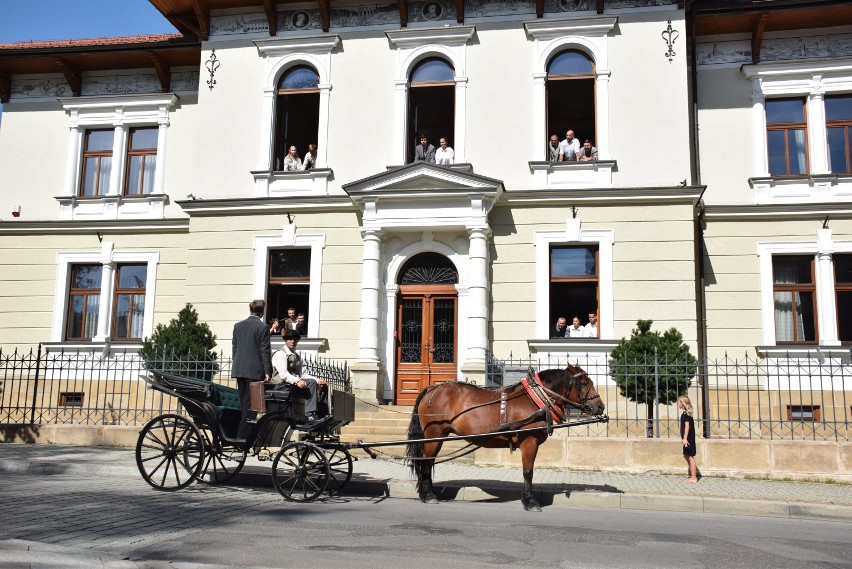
<point>406,211</point>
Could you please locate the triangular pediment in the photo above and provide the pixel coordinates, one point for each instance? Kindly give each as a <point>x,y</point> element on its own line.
<point>423,180</point>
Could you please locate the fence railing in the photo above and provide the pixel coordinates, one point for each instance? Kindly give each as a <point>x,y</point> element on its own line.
<point>777,398</point>
<point>106,388</point>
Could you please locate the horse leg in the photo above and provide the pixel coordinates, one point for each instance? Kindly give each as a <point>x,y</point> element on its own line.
<point>529,450</point>
<point>424,473</point>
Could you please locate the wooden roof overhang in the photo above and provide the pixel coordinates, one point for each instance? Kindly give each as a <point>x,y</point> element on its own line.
<point>74,57</point>
<point>757,17</point>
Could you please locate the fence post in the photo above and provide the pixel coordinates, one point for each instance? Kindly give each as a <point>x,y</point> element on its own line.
<point>656,392</point>
<point>35,385</point>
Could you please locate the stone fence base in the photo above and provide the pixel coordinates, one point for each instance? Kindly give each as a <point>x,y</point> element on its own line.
<point>795,460</point>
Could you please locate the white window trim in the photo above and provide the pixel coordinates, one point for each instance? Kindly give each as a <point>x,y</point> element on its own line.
<point>282,54</point>
<point>574,235</point>
<point>109,259</point>
<point>588,35</point>
<point>822,249</point>
<point>289,240</point>
<point>413,46</point>
<point>120,112</point>
<point>812,80</point>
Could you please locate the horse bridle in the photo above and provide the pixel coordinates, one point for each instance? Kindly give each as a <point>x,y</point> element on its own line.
<point>582,405</point>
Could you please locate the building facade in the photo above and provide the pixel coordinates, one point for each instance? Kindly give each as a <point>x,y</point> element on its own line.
<point>139,174</point>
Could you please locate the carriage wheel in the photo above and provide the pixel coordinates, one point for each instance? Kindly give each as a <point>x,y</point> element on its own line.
<point>300,472</point>
<point>339,468</point>
<point>221,463</point>
<point>169,452</point>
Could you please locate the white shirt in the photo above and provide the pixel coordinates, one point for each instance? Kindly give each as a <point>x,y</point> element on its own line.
<point>572,152</point>
<point>444,155</point>
<point>279,362</point>
<point>591,330</point>
<point>576,332</point>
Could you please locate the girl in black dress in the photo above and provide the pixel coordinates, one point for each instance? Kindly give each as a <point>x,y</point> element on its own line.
<point>687,436</point>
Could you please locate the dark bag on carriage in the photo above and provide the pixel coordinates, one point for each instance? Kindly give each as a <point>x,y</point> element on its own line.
<point>257,396</point>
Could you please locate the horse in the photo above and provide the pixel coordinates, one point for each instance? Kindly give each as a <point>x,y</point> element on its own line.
<point>466,409</point>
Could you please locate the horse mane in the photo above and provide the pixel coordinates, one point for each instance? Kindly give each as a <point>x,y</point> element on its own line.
<point>558,380</point>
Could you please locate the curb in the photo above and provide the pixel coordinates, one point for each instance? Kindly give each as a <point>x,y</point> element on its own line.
<point>468,491</point>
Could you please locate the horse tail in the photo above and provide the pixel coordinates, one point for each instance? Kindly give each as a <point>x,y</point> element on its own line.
<point>414,448</point>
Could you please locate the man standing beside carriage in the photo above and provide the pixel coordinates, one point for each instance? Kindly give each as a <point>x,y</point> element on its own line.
<point>251,361</point>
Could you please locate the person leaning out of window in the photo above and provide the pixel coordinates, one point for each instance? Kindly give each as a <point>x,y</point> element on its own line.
<point>292,162</point>
<point>588,152</point>
<point>310,157</point>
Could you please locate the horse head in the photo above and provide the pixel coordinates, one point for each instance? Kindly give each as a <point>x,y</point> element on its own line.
<point>575,388</point>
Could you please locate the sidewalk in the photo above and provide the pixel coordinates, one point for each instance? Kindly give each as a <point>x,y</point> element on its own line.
<point>458,481</point>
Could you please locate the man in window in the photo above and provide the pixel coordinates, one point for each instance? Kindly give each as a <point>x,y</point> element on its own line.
<point>559,330</point>
<point>592,327</point>
<point>288,364</point>
<point>251,359</point>
<point>576,330</point>
<point>553,149</point>
<point>424,152</point>
<point>569,148</point>
<point>588,152</point>
<point>444,154</point>
<point>290,321</point>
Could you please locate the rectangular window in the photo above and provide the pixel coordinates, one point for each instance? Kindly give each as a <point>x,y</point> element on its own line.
<point>71,399</point>
<point>97,163</point>
<point>573,282</point>
<point>141,160</point>
<point>794,293</point>
<point>838,120</point>
<point>288,283</point>
<point>843,290</point>
<point>129,308</point>
<point>84,300</point>
<point>803,413</point>
<point>786,136</point>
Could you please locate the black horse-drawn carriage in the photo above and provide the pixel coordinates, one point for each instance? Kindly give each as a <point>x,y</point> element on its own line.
<point>175,450</point>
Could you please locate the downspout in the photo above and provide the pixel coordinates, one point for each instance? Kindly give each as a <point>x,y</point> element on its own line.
<point>698,233</point>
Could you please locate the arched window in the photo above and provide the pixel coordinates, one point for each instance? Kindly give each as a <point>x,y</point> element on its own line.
<point>431,103</point>
<point>428,269</point>
<point>296,112</point>
<point>571,96</point>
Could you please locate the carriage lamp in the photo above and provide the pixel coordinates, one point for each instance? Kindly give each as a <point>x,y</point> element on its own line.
<point>16,211</point>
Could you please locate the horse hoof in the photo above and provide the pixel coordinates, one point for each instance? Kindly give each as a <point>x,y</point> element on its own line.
<point>430,500</point>
<point>532,507</point>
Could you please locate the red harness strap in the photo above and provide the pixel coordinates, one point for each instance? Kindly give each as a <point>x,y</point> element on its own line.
<point>531,391</point>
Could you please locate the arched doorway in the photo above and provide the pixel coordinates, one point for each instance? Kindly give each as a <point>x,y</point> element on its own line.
<point>426,325</point>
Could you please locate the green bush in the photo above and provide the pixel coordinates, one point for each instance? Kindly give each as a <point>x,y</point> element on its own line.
<point>184,347</point>
<point>633,362</point>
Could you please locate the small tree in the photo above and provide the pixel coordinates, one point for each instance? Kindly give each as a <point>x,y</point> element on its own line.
<point>633,363</point>
<point>184,347</point>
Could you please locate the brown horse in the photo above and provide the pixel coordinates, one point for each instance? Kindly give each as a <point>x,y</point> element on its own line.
<point>466,409</point>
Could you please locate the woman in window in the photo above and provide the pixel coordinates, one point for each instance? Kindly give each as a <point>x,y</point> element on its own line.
<point>310,157</point>
<point>292,162</point>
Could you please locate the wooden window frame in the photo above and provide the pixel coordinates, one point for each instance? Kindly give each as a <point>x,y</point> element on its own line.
<point>82,292</point>
<point>846,124</point>
<point>131,292</point>
<point>99,154</point>
<point>412,94</point>
<point>595,278</point>
<point>789,126</point>
<point>571,77</point>
<point>280,145</point>
<point>798,287</point>
<point>812,417</point>
<point>146,154</point>
<point>68,398</point>
<point>840,287</point>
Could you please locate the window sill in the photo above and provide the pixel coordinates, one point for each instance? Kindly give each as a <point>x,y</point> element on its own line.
<point>92,346</point>
<point>313,182</point>
<point>574,345</point>
<point>312,346</point>
<point>803,351</point>
<point>151,206</point>
<point>797,189</point>
<point>569,175</point>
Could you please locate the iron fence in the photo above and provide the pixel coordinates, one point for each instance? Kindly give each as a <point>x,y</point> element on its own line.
<point>107,387</point>
<point>784,397</point>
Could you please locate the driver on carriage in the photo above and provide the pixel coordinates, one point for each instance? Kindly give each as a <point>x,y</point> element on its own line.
<point>288,365</point>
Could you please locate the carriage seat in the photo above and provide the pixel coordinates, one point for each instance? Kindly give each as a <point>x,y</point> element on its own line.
<point>225,398</point>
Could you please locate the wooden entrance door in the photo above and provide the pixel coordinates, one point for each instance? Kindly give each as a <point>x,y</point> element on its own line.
<point>427,319</point>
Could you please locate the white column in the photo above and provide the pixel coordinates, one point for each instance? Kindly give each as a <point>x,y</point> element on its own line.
<point>72,171</point>
<point>160,166</point>
<point>401,105</point>
<point>477,338</point>
<point>825,296</point>
<point>602,113</point>
<point>266,145</point>
<point>817,134</point>
<point>322,135</point>
<point>461,119</point>
<point>116,174</point>
<point>368,342</point>
<point>105,310</point>
<point>540,134</point>
<point>758,128</point>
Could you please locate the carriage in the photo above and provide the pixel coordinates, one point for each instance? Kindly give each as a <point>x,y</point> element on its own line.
<point>174,450</point>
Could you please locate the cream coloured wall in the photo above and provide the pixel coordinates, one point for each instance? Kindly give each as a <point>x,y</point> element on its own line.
<point>725,135</point>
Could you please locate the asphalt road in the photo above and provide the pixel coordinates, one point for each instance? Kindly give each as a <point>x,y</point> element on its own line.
<point>77,521</point>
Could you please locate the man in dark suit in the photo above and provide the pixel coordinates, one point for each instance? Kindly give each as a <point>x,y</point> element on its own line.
<point>424,152</point>
<point>251,359</point>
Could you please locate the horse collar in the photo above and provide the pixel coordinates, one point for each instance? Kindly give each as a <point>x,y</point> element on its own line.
<point>541,399</point>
